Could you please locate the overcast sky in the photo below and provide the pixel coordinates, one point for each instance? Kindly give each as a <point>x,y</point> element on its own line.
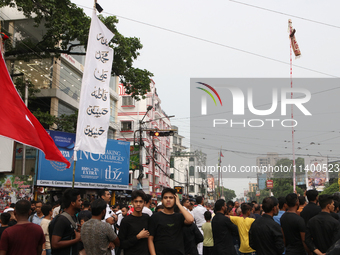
<point>227,39</point>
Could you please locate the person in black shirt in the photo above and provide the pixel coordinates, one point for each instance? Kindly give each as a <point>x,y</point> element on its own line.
<point>223,231</point>
<point>311,209</point>
<point>5,217</point>
<point>192,237</point>
<point>85,213</point>
<point>293,227</point>
<point>334,213</point>
<point>265,235</point>
<point>322,230</point>
<point>65,236</point>
<point>133,231</point>
<point>166,234</point>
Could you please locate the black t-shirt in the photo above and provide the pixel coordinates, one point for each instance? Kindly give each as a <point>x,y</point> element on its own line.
<point>65,230</point>
<point>292,224</point>
<point>129,229</point>
<point>167,232</point>
<point>2,230</point>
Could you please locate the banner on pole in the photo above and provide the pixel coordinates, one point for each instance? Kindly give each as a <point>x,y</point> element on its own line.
<point>94,104</point>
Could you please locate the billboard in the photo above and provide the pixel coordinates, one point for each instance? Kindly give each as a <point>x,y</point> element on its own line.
<point>211,183</point>
<point>14,188</point>
<point>316,169</point>
<point>262,180</point>
<point>134,157</point>
<point>93,171</point>
<point>6,154</point>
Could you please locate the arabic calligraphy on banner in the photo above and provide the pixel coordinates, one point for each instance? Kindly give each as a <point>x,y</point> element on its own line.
<point>94,104</point>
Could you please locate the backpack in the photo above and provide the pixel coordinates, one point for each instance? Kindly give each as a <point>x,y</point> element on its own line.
<point>53,222</point>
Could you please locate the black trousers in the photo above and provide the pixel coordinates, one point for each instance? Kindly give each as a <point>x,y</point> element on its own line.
<point>208,250</point>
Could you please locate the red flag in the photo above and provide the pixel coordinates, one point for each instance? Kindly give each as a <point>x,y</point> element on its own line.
<point>222,154</point>
<point>18,123</point>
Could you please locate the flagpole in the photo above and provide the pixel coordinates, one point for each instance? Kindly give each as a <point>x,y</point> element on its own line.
<point>74,167</point>
<point>290,27</point>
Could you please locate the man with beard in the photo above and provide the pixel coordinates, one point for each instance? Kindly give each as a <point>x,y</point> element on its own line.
<point>166,236</point>
<point>322,230</point>
<point>97,235</point>
<point>64,235</point>
<point>265,234</point>
<point>106,196</point>
<point>223,230</point>
<point>293,227</point>
<point>133,231</point>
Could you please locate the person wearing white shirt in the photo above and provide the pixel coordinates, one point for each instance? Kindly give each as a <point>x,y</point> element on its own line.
<point>198,213</point>
<point>146,208</point>
<point>186,205</point>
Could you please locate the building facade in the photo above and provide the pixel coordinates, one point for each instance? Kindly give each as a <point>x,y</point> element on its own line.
<point>183,168</point>
<point>137,118</point>
<point>58,79</point>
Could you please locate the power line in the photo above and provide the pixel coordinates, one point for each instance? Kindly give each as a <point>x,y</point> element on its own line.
<point>285,14</point>
<point>215,43</point>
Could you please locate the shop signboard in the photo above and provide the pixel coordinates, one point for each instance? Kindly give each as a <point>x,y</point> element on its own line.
<point>270,184</point>
<point>93,171</point>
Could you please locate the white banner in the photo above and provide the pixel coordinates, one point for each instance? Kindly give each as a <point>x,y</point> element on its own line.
<point>86,185</point>
<point>94,105</point>
<point>6,154</point>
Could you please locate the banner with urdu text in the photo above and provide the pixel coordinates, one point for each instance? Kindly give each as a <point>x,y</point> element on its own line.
<point>94,105</point>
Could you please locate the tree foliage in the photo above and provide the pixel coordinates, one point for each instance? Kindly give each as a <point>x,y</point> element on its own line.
<point>228,194</point>
<point>283,181</point>
<point>263,194</point>
<point>20,85</point>
<point>65,27</point>
<point>330,189</point>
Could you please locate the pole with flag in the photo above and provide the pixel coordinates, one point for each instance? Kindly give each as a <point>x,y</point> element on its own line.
<point>94,105</point>
<point>295,48</point>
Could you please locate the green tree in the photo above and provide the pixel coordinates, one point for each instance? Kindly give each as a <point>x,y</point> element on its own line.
<point>67,123</point>
<point>283,181</point>
<point>330,189</point>
<point>228,194</point>
<point>263,194</point>
<point>65,27</point>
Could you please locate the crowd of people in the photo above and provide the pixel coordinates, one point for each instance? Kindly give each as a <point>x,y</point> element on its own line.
<point>277,226</point>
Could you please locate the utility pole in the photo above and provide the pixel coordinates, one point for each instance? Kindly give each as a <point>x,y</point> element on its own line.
<point>24,146</point>
<point>187,181</point>
<point>153,167</point>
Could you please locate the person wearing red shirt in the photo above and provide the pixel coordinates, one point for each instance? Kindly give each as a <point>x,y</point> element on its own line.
<point>24,238</point>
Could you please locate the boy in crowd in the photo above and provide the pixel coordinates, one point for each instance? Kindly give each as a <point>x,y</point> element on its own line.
<point>166,235</point>
<point>208,242</point>
<point>133,231</point>
<point>47,212</point>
